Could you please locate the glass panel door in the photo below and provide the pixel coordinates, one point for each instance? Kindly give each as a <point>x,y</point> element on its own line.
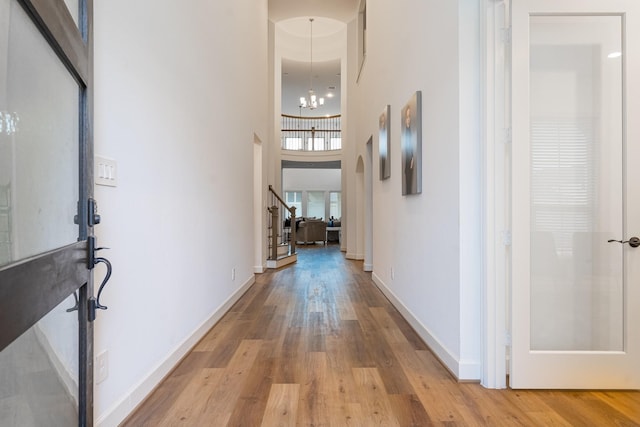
<point>45,200</point>
<point>576,182</point>
<point>575,289</point>
<point>39,372</point>
<point>39,161</point>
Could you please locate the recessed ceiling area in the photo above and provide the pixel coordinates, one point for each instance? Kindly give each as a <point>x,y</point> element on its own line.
<point>294,44</point>
<point>296,82</point>
<point>342,10</point>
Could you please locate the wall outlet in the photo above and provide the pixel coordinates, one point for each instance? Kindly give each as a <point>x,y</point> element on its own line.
<point>102,367</point>
<point>233,274</point>
<point>393,273</point>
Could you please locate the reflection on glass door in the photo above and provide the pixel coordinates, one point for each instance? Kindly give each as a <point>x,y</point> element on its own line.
<point>576,183</point>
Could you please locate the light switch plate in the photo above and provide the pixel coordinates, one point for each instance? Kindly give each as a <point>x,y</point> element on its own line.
<point>105,171</point>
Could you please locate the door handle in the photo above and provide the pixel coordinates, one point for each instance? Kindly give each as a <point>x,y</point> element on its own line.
<point>634,242</point>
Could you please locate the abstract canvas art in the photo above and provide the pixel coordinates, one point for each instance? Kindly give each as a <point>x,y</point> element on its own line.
<point>385,143</point>
<point>411,145</point>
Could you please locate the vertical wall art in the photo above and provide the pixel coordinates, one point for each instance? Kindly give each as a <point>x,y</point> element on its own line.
<point>411,145</point>
<point>385,143</point>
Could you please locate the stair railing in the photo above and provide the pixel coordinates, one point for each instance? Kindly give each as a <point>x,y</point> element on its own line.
<point>310,133</point>
<point>279,234</point>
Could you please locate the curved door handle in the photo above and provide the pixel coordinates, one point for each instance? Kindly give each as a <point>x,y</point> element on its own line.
<point>634,242</point>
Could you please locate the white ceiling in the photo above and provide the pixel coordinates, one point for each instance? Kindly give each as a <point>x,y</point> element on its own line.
<point>341,10</point>
<point>292,19</point>
<point>296,82</point>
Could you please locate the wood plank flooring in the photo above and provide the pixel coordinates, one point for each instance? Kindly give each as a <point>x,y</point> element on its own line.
<point>317,344</point>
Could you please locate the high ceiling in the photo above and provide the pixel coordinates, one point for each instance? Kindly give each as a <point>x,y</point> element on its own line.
<point>296,82</point>
<point>330,17</point>
<point>341,10</point>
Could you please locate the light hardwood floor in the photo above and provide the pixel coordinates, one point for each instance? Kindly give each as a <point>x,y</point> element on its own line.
<point>317,344</point>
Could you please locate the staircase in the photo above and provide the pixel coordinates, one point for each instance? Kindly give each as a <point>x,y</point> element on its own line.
<point>281,239</point>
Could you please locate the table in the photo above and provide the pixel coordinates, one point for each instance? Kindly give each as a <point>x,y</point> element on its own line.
<point>337,230</point>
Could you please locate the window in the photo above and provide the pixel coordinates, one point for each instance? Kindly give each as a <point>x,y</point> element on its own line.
<point>294,198</point>
<point>335,204</point>
<point>316,204</point>
<point>319,204</point>
<point>292,143</point>
<point>316,144</point>
<point>335,144</point>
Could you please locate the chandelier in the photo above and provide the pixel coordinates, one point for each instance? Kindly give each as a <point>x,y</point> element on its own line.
<point>311,101</point>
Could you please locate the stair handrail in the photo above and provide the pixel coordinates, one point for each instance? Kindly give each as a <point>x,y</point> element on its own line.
<point>276,221</point>
<point>277,196</point>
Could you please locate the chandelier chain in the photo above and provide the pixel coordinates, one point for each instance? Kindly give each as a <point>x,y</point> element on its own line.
<point>311,101</point>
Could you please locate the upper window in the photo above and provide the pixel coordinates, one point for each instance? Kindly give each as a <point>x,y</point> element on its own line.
<point>292,143</point>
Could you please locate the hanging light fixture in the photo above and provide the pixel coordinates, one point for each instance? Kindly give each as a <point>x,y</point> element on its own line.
<point>311,101</point>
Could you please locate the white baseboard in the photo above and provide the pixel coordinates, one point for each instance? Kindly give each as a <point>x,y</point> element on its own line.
<point>281,262</point>
<point>130,401</point>
<point>357,257</point>
<point>368,267</point>
<point>259,269</point>
<point>461,369</point>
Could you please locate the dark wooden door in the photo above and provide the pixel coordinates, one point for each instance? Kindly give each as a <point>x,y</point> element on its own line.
<point>46,212</point>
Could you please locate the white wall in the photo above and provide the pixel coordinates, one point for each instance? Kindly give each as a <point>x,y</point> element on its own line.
<point>311,179</point>
<point>426,254</point>
<point>180,91</point>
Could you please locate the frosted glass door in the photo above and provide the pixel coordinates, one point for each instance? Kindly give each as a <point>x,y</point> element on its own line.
<point>576,182</point>
<point>573,320</point>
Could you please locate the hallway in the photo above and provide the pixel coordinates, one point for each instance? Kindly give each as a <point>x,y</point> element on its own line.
<point>317,344</point>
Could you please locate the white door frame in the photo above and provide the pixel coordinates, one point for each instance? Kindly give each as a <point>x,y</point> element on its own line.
<point>368,207</point>
<point>495,172</point>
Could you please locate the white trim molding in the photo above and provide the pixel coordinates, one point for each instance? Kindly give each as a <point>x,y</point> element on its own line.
<point>463,370</point>
<point>494,27</point>
<point>136,395</point>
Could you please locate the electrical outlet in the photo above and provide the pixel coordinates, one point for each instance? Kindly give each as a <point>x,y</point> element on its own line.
<point>393,273</point>
<point>233,274</point>
<point>102,367</point>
